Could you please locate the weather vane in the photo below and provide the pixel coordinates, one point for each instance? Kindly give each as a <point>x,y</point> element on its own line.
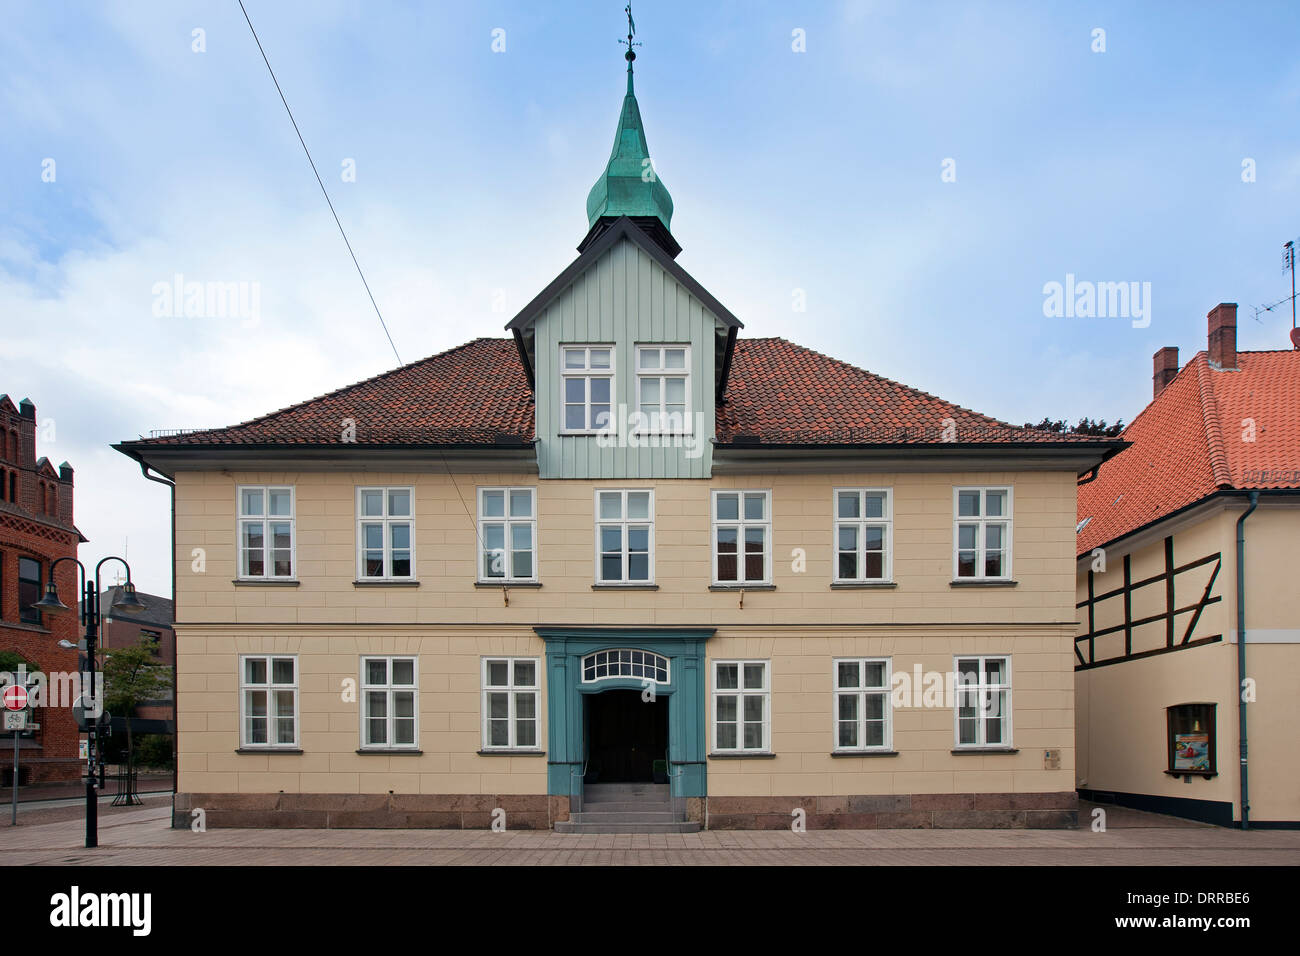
<point>631,32</point>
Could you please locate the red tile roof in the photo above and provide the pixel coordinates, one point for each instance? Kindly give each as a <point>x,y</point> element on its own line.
<point>473,394</point>
<point>782,393</point>
<point>1195,439</point>
<point>778,393</point>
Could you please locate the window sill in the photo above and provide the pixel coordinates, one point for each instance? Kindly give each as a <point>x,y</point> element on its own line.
<point>1207,774</point>
<point>386,583</point>
<point>863,585</point>
<point>507,584</point>
<point>268,750</point>
<point>958,751</point>
<point>983,583</point>
<point>609,586</point>
<point>391,751</point>
<point>864,753</point>
<point>22,625</point>
<point>742,587</point>
<point>743,755</point>
<point>267,583</point>
<point>508,752</point>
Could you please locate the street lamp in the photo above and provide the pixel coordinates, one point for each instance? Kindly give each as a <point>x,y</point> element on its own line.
<point>128,603</point>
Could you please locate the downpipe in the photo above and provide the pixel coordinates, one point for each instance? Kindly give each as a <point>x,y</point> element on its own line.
<point>1242,745</point>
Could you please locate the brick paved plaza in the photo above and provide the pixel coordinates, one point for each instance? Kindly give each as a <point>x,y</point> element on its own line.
<point>141,836</point>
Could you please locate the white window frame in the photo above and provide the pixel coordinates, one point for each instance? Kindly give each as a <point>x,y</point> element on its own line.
<point>982,521</point>
<point>741,524</point>
<point>622,662</point>
<point>741,692</point>
<point>622,523</point>
<point>270,687</point>
<point>513,692</point>
<point>387,521</point>
<point>266,519</point>
<point>391,689</point>
<point>508,522</point>
<point>861,523</point>
<point>587,373</point>
<point>662,373</point>
<point>982,688</point>
<point>861,692</point>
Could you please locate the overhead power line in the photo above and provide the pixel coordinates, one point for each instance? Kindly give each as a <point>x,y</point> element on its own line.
<point>321,182</point>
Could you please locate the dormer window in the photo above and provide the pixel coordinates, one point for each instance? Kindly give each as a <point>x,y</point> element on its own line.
<point>587,385</point>
<point>663,381</point>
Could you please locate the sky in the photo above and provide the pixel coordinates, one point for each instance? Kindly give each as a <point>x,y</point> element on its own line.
<point>893,184</point>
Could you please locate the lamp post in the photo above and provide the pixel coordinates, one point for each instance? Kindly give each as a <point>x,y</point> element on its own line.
<point>128,603</point>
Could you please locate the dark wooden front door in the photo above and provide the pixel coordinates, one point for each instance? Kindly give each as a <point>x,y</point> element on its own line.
<point>625,736</point>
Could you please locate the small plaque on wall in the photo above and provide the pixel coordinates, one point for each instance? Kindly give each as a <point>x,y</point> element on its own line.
<point>1051,760</point>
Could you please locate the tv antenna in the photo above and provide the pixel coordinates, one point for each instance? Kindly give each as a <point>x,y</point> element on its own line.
<point>1288,263</point>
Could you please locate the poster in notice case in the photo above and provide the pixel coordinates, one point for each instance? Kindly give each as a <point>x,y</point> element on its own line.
<point>1192,751</point>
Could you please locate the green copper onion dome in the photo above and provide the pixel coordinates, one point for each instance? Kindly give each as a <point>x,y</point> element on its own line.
<point>629,186</point>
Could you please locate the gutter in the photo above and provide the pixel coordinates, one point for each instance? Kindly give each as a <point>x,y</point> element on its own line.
<point>1242,741</point>
<point>176,732</point>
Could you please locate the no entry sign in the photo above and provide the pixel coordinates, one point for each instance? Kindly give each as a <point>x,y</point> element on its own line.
<point>15,697</point>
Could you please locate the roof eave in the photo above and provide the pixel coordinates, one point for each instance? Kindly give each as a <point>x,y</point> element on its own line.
<point>1080,457</point>
<point>168,459</point>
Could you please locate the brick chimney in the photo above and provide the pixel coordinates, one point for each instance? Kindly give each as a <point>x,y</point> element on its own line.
<point>1223,336</point>
<point>1165,363</point>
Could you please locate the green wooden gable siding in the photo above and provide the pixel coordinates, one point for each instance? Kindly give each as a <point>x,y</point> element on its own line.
<point>625,299</point>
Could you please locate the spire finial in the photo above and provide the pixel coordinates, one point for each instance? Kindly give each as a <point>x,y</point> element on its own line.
<point>630,55</point>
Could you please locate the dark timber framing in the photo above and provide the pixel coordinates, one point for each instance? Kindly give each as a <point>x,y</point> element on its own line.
<point>1127,590</point>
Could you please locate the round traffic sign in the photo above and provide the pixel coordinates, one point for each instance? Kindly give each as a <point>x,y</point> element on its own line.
<point>15,697</point>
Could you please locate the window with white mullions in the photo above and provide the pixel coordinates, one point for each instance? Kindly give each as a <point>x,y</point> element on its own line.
<point>385,529</point>
<point>742,532</point>
<point>863,535</point>
<point>983,711</point>
<point>510,703</point>
<point>624,662</point>
<point>982,533</point>
<point>587,386</point>
<point>269,701</point>
<point>663,388</point>
<point>507,534</point>
<point>863,719</point>
<point>741,707</point>
<point>624,537</point>
<point>388,702</point>
<point>266,538</point>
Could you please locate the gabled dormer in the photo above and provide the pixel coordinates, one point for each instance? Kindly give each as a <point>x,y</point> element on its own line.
<point>627,356</point>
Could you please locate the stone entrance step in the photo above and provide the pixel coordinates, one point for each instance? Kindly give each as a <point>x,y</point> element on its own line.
<point>627,808</point>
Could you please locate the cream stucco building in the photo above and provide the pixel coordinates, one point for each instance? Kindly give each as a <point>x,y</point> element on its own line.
<point>626,569</point>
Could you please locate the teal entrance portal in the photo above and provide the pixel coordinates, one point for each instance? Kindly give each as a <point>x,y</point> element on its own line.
<point>666,666</point>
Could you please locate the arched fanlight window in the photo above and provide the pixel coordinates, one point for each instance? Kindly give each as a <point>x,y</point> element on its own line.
<point>624,662</point>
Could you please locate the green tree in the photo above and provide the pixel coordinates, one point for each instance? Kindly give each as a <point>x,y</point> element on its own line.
<point>9,661</point>
<point>1085,426</point>
<point>132,675</point>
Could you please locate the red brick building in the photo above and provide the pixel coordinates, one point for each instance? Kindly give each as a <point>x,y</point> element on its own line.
<point>153,625</point>
<point>36,527</point>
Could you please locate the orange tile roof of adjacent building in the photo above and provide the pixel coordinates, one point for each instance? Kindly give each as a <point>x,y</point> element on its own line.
<point>1209,430</point>
<point>778,393</point>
